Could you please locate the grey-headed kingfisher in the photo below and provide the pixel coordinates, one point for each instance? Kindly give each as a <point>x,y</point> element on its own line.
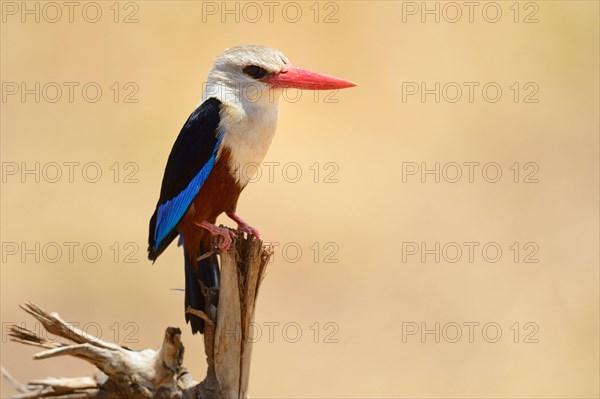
<point>232,127</point>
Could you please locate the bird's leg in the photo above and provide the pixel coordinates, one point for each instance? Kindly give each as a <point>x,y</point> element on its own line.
<point>223,232</point>
<point>243,226</point>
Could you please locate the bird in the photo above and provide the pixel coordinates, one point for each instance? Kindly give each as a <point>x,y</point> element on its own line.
<point>233,126</point>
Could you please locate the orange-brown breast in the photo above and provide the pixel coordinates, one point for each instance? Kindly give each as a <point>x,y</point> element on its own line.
<point>218,194</point>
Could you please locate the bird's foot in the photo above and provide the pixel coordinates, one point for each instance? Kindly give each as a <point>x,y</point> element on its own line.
<point>243,226</point>
<point>223,235</point>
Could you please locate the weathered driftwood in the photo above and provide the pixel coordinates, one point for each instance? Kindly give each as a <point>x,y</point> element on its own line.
<point>127,373</point>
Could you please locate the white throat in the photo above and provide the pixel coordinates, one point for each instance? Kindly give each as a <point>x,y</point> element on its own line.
<point>248,122</point>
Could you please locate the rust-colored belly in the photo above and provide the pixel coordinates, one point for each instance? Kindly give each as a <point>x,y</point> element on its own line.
<point>218,194</point>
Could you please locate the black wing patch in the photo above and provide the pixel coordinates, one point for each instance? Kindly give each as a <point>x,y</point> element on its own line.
<point>189,165</point>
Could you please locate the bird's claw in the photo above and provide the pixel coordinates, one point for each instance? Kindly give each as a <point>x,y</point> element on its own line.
<point>222,235</point>
<point>246,228</point>
<point>243,226</point>
<point>223,239</point>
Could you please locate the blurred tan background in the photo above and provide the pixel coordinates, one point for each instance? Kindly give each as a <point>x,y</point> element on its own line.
<point>376,292</point>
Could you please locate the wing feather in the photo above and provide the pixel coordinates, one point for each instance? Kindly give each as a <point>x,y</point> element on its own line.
<point>189,165</point>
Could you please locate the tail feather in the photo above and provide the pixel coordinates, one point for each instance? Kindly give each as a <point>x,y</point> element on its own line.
<point>205,272</point>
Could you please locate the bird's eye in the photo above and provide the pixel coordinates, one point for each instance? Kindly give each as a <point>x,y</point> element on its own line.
<point>255,72</point>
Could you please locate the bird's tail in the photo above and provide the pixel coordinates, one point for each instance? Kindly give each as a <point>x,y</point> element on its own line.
<point>200,273</point>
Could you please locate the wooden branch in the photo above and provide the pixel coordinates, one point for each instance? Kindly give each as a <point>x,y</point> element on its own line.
<point>126,373</point>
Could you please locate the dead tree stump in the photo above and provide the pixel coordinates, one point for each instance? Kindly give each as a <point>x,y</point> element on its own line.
<point>127,373</point>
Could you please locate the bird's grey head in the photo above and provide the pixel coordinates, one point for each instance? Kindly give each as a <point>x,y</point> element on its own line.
<point>246,65</point>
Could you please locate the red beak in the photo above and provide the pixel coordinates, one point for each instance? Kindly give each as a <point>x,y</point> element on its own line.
<point>298,78</point>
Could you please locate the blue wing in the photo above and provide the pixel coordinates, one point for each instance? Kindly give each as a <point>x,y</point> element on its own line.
<point>171,212</point>
<point>190,163</point>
